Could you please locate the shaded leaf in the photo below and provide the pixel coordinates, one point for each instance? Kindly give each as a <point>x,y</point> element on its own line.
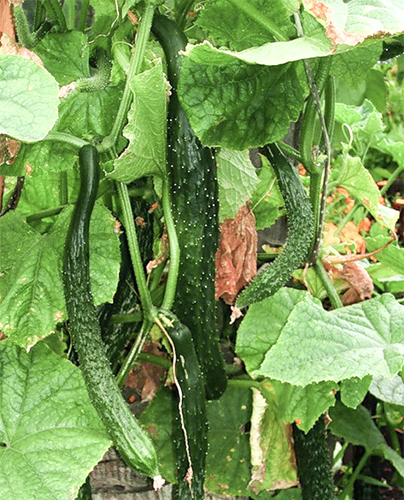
<point>390,391</point>
<point>354,390</point>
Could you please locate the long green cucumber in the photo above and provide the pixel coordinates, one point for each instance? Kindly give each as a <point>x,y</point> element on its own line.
<point>192,170</point>
<point>313,463</point>
<point>300,230</point>
<point>131,441</point>
<point>191,422</point>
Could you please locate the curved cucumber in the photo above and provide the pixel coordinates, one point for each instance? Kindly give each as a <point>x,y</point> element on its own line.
<point>195,209</point>
<point>131,441</point>
<point>300,231</point>
<point>313,463</point>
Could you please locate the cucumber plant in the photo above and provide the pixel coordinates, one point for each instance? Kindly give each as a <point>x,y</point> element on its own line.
<point>154,110</point>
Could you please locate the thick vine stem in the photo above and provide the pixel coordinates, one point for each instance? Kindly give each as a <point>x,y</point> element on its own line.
<point>135,65</point>
<point>24,35</point>
<point>149,310</point>
<point>171,284</point>
<point>327,283</point>
<point>66,138</point>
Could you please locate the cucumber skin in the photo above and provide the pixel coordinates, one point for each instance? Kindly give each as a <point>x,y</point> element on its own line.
<point>131,441</point>
<point>313,463</point>
<point>300,233</point>
<point>191,381</point>
<point>194,193</point>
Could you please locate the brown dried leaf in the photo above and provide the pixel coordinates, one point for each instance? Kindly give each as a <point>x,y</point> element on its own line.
<point>146,378</point>
<point>236,257</point>
<point>6,19</point>
<point>359,280</point>
<point>10,47</point>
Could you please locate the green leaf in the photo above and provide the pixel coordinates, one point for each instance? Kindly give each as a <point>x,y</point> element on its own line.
<point>237,179</point>
<point>356,179</point>
<point>237,105</point>
<point>146,128</point>
<point>272,458</point>
<point>43,157</point>
<point>31,289</point>
<point>350,23</point>
<point>89,114</point>
<point>65,55</point>
<point>313,345</point>
<point>315,285</point>
<point>266,200</point>
<point>353,67</point>
<point>358,428</point>
<point>228,460</point>
<point>51,435</point>
<point>390,391</point>
<point>291,494</point>
<point>262,325</point>
<point>304,405</point>
<point>391,257</point>
<point>269,54</point>
<point>354,390</point>
<point>228,25</point>
<point>29,99</point>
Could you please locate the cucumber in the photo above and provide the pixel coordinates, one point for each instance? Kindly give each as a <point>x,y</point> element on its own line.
<point>314,463</point>
<point>191,451</point>
<point>132,442</point>
<point>300,231</point>
<point>194,189</point>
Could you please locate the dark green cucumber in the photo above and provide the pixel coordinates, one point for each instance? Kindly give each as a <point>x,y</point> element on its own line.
<point>193,408</point>
<point>300,231</point>
<point>313,463</point>
<point>132,442</point>
<point>195,209</point>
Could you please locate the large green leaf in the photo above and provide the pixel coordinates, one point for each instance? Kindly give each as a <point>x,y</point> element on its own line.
<point>28,99</point>
<point>65,55</point>
<point>354,390</point>
<point>390,391</point>
<point>31,288</point>
<point>313,345</point>
<point>358,428</point>
<point>237,179</point>
<point>238,105</point>
<point>51,436</point>
<point>146,128</point>
<point>227,24</point>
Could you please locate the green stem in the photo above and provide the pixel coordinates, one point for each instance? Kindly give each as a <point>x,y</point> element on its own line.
<point>134,352</point>
<point>149,310</point>
<point>156,360</point>
<point>66,138</point>
<point>392,178</point>
<point>349,486</point>
<point>172,278</point>
<point>81,26</point>
<point>70,13</point>
<point>327,283</point>
<point>39,14</point>
<point>24,35</point>
<point>126,318</point>
<point>100,80</point>
<point>64,194</point>
<point>341,453</point>
<point>244,383</point>
<point>289,151</point>
<point>264,21</point>
<point>182,12</point>
<point>135,66</point>
<point>45,213</point>
<point>55,12</point>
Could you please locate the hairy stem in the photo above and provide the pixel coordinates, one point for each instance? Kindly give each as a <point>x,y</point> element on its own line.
<point>81,26</point>
<point>327,283</point>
